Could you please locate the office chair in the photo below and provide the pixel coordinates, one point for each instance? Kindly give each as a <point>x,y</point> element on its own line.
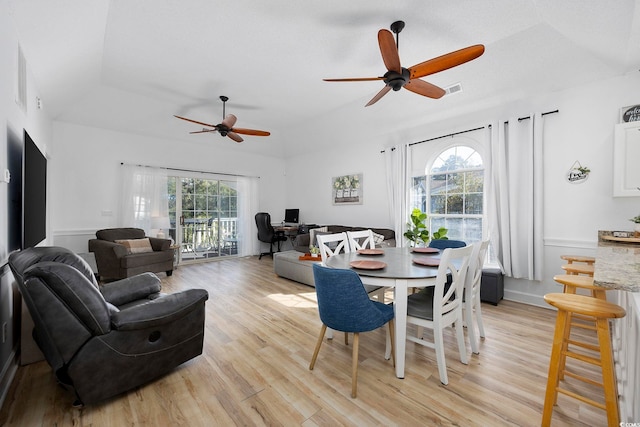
<point>267,234</point>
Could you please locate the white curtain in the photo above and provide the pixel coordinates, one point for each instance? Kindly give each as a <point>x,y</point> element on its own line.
<point>398,167</point>
<point>247,208</point>
<point>145,201</point>
<point>514,193</point>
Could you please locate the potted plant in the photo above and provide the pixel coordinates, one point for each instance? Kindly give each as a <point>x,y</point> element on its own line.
<point>636,220</point>
<point>417,231</point>
<point>314,251</point>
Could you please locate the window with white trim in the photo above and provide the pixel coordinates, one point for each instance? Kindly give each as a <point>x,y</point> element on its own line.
<point>452,193</point>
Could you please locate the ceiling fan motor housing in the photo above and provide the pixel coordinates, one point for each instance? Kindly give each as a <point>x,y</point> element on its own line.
<point>397,80</point>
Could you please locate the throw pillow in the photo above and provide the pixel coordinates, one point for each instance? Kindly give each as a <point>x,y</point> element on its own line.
<point>136,246</point>
<point>378,238</point>
<point>312,234</point>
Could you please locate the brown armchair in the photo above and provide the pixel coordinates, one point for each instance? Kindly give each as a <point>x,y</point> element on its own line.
<point>124,252</point>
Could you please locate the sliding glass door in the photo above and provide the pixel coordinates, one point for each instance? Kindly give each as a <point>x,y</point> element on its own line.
<point>204,217</point>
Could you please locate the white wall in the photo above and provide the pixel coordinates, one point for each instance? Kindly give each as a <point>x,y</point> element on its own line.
<point>582,130</point>
<point>85,175</point>
<point>12,122</point>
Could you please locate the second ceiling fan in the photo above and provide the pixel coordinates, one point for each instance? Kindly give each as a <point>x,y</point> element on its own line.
<point>226,128</point>
<point>398,77</point>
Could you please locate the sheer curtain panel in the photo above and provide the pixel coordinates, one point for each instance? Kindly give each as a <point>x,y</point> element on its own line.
<point>144,197</point>
<point>515,195</point>
<point>247,208</point>
<point>398,167</point>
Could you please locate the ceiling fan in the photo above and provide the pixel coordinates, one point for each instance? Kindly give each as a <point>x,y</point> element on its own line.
<point>398,77</point>
<point>226,127</point>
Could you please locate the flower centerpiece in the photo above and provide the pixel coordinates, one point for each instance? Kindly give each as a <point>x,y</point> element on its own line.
<point>314,251</point>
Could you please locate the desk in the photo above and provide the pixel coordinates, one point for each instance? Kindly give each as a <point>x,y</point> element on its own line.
<point>290,231</point>
<point>400,274</point>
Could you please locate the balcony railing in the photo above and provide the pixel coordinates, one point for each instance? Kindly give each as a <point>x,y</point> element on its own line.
<point>208,237</point>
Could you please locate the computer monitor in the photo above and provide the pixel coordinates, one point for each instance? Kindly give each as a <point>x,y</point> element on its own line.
<point>292,216</point>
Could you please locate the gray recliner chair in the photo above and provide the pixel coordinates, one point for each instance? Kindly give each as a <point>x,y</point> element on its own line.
<point>103,340</point>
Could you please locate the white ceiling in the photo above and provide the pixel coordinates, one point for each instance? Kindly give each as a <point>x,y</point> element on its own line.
<point>129,65</point>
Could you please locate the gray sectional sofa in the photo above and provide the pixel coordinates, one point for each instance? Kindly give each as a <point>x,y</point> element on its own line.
<point>288,265</point>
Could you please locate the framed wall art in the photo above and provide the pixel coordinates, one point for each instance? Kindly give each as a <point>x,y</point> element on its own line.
<point>347,189</point>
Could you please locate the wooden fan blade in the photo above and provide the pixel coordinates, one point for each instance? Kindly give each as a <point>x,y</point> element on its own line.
<point>251,132</point>
<point>446,61</point>
<point>229,121</point>
<point>389,51</point>
<point>379,95</point>
<point>234,136</point>
<point>424,88</point>
<point>204,131</point>
<point>355,79</point>
<point>195,121</point>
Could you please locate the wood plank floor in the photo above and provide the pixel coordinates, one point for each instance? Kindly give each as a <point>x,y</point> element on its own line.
<point>260,334</point>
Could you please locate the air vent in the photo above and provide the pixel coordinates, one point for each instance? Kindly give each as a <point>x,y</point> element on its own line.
<point>454,88</point>
<point>21,90</point>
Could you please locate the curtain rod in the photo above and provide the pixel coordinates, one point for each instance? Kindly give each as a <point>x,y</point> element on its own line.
<point>465,131</point>
<point>543,114</point>
<point>190,170</point>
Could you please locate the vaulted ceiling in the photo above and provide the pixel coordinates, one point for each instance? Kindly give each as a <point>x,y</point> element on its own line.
<point>130,65</point>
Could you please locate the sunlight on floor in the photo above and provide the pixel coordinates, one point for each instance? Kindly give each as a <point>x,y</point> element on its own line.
<point>303,300</point>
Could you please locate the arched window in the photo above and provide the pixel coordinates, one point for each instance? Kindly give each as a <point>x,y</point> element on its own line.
<point>452,193</point>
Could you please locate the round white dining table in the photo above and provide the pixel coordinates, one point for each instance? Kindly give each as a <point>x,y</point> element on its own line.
<point>400,273</point>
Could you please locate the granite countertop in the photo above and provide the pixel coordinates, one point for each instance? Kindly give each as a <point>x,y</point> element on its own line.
<point>617,265</point>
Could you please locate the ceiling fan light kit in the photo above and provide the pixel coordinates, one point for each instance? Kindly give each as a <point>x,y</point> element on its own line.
<point>226,128</point>
<point>398,77</point>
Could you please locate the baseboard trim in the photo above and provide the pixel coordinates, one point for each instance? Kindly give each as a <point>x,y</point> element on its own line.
<point>525,298</point>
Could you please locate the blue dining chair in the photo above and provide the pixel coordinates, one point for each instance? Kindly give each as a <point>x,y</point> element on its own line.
<point>446,243</point>
<point>344,306</point>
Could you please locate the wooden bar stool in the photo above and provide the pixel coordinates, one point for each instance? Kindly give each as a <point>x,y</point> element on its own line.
<point>602,311</point>
<point>578,258</point>
<point>573,268</point>
<point>572,282</point>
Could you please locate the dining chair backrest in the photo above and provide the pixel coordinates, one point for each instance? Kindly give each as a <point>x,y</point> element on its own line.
<point>454,263</point>
<point>331,244</point>
<point>361,240</point>
<point>472,307</point>
<point>446,243</point>
<point>343,303</point>
<point>474,275</point>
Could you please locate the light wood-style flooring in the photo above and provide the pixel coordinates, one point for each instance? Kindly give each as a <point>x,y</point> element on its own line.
<point>260,335</point>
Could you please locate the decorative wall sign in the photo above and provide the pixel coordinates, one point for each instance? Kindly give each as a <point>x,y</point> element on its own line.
<point>347,189</point>
<point>578,173</point>
<point>630,114</point>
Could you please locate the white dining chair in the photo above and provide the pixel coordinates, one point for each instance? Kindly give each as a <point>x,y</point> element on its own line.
<point>364,240</point>
<point>437,307</point>
<point>332,244</point>
<point>472,308</point>
<point>361,240</point>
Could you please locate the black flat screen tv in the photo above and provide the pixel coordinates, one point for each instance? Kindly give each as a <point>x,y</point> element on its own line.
<point>291,215</point>
<point>34,194</point>
<point>15,147</point>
